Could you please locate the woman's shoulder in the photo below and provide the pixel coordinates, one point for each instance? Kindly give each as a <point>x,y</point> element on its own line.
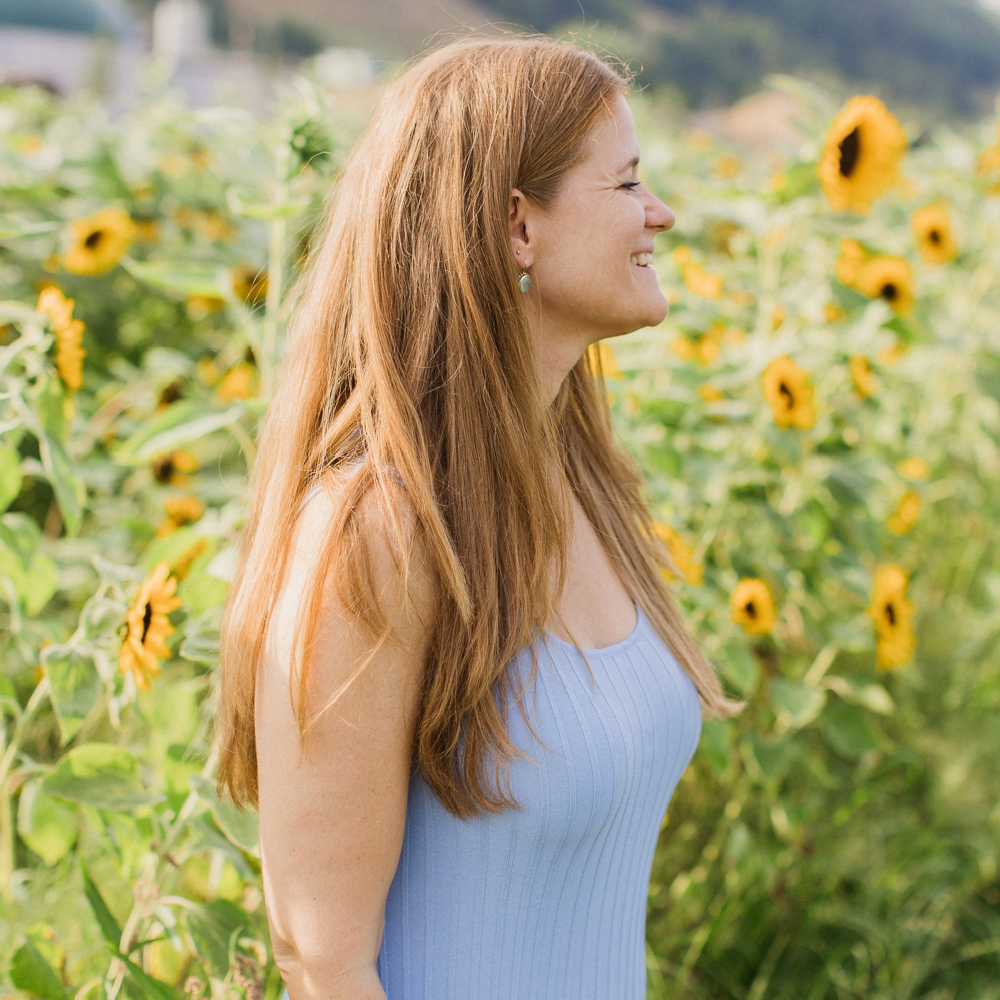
<point>335,477</point>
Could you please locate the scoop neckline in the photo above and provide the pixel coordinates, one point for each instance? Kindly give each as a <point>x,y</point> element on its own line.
<point>632,637</point>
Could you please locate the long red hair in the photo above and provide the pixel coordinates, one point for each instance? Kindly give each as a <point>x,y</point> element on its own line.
<point>409,342</point>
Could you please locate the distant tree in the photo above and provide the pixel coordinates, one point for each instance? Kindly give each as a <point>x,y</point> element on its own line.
<point>542,15</point>
<point>719,58</point>
<point>928,51</point>
<point>294,39</point>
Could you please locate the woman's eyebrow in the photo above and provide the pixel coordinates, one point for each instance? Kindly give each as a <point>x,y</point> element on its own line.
<point>634,162</point>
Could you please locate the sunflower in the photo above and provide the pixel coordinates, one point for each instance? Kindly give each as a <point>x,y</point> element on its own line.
<point>932,228</point>
<point>98,241</point>
<point>889,278</point>
<point>852,257</point>
<point>861,155</point>
<point>238,383</point>
<point>148,627</point>
<point>200,306</point>
<point>183,563</point>
<point>250,285</point>
<point>891,612</point>
<point>704,283</point>
<point>169,468</point>
<point>208,371</point>
<point>602,353</point>
<point>682,554</point>
<point>727,167</point>
<point>906,514</point>
<point>753,606</point>
<point>185,509</point>
<point>861,375</point>
<point>68,332</point>
<point>790,393</point>
<point>913,468</point>
<point>147,230</point>
<point>892,352</point>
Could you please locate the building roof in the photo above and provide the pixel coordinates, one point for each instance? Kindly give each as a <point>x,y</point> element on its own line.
<point>69,15</point>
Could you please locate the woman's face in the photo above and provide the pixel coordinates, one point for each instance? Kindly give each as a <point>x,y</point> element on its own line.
<point>581,252</point>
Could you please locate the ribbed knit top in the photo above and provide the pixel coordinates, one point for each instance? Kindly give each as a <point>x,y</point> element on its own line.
<point>549,903</point>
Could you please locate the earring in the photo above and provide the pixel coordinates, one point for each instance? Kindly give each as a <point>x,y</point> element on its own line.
<point>525,282</point>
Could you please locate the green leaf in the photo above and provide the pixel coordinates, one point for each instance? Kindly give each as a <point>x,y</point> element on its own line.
<point>179,424</point>
<point>773,757</point>
<point>846,729</point>
<point>714,744</point>
<point>30,972</point>
<point>211,927</point>
<point>874,697</point>
<point>240,827</point>
<point>796,704</point>
<point>740,667</point>
<point>201,637</point>
<point>149,986</point>
<point>71,495</point>
<point>47,825</point>
<point>186,278</point>
<point>50,406</point>
<point>75,686</point>
<point>110,929</point>
<point>33,574</point>
<point>13,230</point>
<point>10,476</point>
<point>100,775</point>
<point>800,179</point>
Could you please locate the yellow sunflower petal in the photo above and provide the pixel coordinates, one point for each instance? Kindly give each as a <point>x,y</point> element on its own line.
<point>752,606</point>
<point>889,278</point>
<point>862,152</point>
<point>935,239</point>
<point>98,241</point>
<point>789,391</point>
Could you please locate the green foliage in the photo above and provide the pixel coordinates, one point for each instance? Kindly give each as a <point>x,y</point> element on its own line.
<point>837,839</point>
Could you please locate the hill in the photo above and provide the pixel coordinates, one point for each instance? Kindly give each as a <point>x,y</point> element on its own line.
<point>940,55</point>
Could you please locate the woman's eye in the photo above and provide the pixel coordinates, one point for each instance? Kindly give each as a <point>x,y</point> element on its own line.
<point>631,184</point>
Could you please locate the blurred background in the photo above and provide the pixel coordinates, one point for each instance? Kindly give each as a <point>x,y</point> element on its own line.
<point>940,55</point>
<point>817,420</point>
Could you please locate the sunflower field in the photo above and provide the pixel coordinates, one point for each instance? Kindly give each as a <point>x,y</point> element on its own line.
<point>818,420</point>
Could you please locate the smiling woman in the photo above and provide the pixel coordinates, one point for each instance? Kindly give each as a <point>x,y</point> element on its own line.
<point>442,522</point>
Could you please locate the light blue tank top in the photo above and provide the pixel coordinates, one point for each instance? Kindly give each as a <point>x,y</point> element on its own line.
<point>549,903</point>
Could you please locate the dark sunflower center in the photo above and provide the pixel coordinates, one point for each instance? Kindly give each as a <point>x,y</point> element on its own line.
<point>787,394</point>
<point>147,617</point>
<point>164,470</point>
<point>889,291</point>
<point>751,609</point>
<point>94,240</point>
<point>850,150</point>
<point>890,613</point>
<point>935,237</point>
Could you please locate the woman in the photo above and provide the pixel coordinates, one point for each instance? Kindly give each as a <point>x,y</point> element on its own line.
<point>465,519</point>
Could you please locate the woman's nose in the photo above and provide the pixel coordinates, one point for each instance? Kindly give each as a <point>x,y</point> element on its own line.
<point>659,216</point>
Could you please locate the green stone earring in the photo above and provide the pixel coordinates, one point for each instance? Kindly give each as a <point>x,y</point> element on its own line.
<point>525,282</point>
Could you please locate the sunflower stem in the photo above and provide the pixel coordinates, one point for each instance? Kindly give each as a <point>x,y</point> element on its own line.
<point>6,818</point>
<point>277,231</point>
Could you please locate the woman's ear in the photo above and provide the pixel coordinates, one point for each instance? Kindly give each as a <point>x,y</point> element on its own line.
<point>520,239</point>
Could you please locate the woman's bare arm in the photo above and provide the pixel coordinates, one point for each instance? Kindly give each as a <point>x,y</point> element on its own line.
<point>331,828</point>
